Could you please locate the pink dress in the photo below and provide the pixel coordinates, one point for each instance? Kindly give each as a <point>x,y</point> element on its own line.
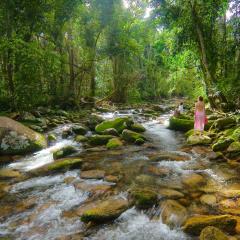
<point>199,120</point>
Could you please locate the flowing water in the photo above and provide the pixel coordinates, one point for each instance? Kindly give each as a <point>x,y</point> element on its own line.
<point>38,208</point>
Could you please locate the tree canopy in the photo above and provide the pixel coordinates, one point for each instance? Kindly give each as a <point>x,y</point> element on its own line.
<point>126,51</point>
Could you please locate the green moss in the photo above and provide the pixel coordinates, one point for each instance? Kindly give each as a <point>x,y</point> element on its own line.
<point>117,124</point>
<point>52,137</point>
<point>144,198</point>
<point>99,139</point>
<point>63,164</point>
<point>133,137</point>
<point>137,127</point>
<point>180,124</point>
<point>80,138</point>
<point>222,144</point>
<point>114,143</point>
<point>236,134</point>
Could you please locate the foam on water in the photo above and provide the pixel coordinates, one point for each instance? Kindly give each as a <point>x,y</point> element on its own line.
<point>51,203</point>
<point>40,158</point>
<point>133,225</point>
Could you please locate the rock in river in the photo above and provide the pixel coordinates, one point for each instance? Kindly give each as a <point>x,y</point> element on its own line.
<point>194,225</point>
<point>132,137</point>
<point>173,213</point>
<point>213,233</point>
<point>193,181</point>
<point>102,211</point>
<point>16,138</point>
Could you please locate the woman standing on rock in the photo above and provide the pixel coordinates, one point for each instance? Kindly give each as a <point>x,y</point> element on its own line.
<point>199,115</point>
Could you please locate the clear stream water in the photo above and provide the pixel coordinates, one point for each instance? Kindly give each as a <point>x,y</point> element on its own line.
<point>53,195</point>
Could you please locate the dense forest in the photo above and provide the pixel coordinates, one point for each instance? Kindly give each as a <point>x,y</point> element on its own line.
<point>67,52</point>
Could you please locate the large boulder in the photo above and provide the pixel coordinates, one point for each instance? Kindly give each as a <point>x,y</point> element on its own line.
<point>173,213</point>
<point>212,233</point>
<point>16,138</point>
<point>102,211</point>
<point>132,137</point>
<point>117,123</point>
<point>194,225</point>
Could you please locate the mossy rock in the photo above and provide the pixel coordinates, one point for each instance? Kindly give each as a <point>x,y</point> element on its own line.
<point>236,135</point>
<point>96,140</point>
<point>111,131</point>
<point>136,127</point>
<point>81,138</point>
<point>117,124</point>
<point>17,139</point>
<point>94,120</point>
<point>222,144</point>
<point>225,123</point>
<point>80,130</point>
<point>194,225</point>
<point>144,197</point>
<point>104,211</point>
<point>65,151</point>
<point>51,137</point>
<point>132,137</point>
<point>212,233</point>
<point>199,140</point>
<point>234,147</point>
<point>58,165</point>
<point>114,143</point>
<point>178,124</point>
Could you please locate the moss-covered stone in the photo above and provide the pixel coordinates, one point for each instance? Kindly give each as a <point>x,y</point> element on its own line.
<point>132,137</point>
<point>199,140</point>
<point>80,138</point>
<point>144,197</point>
<point>94,120</point>
<point>194,225</point>
<point>222,144</point>
<point>114,143</point>
<point>225,123</point>
<point>212,233</point>
<point>65,151</point>
<point>79,129</point>
<point>236,135</point>
<point>96,140</point>
<point>181,124</point>
<point>103,211</point>
<point>136,127</point>
<point>117,124</point>
<point>52,137</point>
<point>17,139</point>
<point>58,165</point>
<point>173,213</point>
<point>234,147</point>
<point>111,131</point>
